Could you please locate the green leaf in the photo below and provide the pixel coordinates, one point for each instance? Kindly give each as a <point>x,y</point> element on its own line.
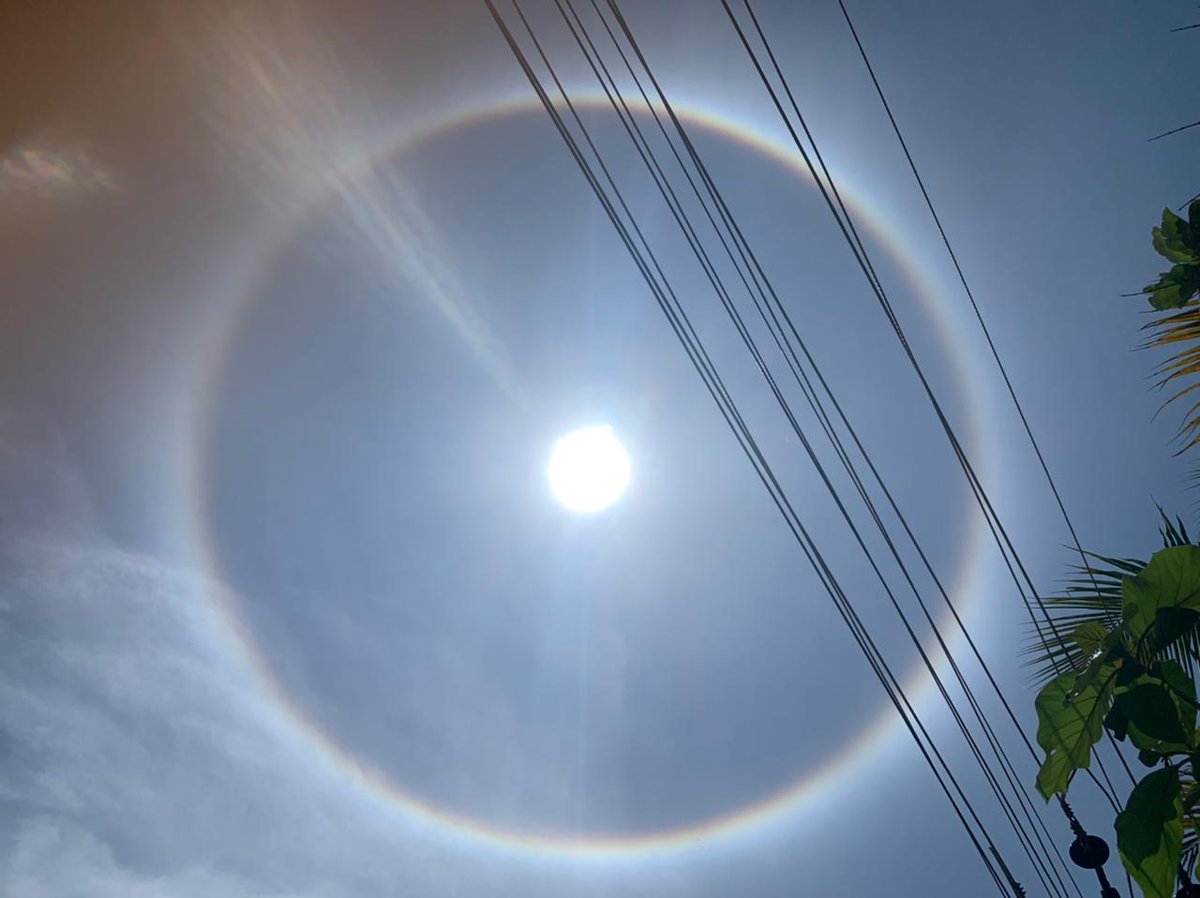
<point>1172,623</point>
<point>1116,723</point>
<point>1175,287</point>
<point>1149,758</point>
<point>1070,722</point>
<point>1170,580</point>
<point>1089,636</point>
<point>1129,669</point>
<point>1150,832</point>
<point>1153,715</point>
<point>1170,249</point>
<point>1172,673</point>
<point>1172,239</point>
<point>1167,296</point>
<point>1185,274</point>
<point>1182,690</point>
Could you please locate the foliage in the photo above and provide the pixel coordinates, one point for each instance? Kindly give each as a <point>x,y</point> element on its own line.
<point>1150,832</point>
<point>1124,652</point>
<point>1090,607</point>
<point>1133,688</point>
<point>1177,241</point>
<point>1177,292</point>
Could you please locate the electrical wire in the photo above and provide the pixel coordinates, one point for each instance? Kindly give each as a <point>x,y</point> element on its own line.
<point>1174,131</point>
<point>849,231</point>
<point>612,91</point>
<point>686,334</point>
<point>1008,384</point>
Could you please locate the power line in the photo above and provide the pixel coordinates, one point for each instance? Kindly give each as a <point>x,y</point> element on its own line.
<point>632,128</point>
<point>962,277</point>
<point>696,354</point>
<point>845,222</point>
<point>1174,130</point>
<point>733,417</point>
<point>863,258</point>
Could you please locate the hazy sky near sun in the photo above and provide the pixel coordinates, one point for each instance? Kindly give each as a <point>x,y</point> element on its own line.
<point>296,297</point>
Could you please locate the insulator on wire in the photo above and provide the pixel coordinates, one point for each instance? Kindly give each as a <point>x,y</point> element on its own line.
<point>1089,852</point>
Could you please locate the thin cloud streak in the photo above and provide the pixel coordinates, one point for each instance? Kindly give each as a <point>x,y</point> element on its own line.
<point>299,132</point>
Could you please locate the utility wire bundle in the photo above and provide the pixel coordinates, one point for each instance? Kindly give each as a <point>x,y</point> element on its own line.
<point>604,39</point>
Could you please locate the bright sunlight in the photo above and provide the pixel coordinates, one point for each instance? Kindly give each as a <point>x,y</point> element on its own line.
<point>589,469</point>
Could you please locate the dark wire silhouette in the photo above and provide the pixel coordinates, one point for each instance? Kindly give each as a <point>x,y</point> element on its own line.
<point>640,142</point>
<point>766,301</point>
<point>634,131</point>
<point>1174,130</point>
<point>849,231</point>
<point>677,318</point>
<point>1008,384</point>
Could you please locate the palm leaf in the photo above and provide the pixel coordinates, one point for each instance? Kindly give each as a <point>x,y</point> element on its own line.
<point>1092,596</point>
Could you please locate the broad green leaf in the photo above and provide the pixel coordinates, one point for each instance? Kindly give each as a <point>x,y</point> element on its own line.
<point>1172,238</point>
<point>1167,296</point>
<point>1149,758</point>
<point>1114,641</point>
<point>1154,716</point>
<point>1189,232</point>
<point>1170,247</point>
<point>1089,636</point>
<point>1116,723</point>
<point>1114,658</point>
<point>1173,674</point>
<point>1150,832</point>
<point>1182,690</point>
<point>1172,623</point>
<point>1070,722</point>
<point>1174,288</point>
<point>1129,669</point>
<point>1170,580</point>
<point>1185,274</point>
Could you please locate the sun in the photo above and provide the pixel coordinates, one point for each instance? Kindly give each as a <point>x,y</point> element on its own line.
<point>589,469</point>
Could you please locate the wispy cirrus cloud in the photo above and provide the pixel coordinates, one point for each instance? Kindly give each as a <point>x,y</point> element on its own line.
<point>134,761</point>
<point>304,139</point>
<point>52,170</point>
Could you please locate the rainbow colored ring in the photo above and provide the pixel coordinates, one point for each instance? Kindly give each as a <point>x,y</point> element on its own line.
<point>779,809</point>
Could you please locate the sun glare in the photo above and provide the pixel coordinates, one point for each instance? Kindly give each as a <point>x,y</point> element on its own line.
<point>589,469</point>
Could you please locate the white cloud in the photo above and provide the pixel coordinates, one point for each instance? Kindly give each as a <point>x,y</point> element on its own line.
<point>136,757</point>
<point>51,861</point>
<point>286,109</point>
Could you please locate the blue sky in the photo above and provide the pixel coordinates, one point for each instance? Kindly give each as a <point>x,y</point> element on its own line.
<point>298,297</point>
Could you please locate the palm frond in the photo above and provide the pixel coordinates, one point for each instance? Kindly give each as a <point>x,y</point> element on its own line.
<point>1091,597</point>
<point>1172,533</point>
